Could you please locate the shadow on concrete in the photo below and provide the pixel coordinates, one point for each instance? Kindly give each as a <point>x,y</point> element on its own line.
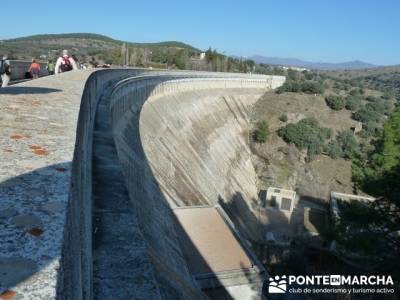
<point>30,213</point>
<point>16,90</point>
<point>253,222</point>
<point>318,203</point>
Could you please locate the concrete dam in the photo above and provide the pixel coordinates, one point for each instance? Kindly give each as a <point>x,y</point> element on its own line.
<point>130,184</point>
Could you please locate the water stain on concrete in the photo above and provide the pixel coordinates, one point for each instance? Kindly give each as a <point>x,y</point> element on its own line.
<point>34,147</point>
<point>35,231</point>
<point>8,294</point>
<point>41,152</point>
<point>16,137</point>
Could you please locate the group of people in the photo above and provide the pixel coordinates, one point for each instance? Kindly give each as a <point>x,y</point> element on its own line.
<point>64,63</point>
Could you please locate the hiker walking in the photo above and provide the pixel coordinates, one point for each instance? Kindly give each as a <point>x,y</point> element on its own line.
<point>65,63</point>
<point>50,67</point>
<point>5,71</point>
<point>34,69</point>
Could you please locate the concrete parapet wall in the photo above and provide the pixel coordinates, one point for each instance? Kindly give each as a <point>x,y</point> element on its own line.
<point>19,68</point>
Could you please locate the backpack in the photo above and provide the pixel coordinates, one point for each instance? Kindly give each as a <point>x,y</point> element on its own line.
<point>65,64</point>
<point>4,67</point>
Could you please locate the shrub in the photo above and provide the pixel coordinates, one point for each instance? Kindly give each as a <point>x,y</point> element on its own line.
<point>306,134</point>
<point>378,107</point>
<point>335,102</point>
<point>372,99</point>
<point>334,150</point>
<point>293,74</point>
<point>354,92</point>
<point>283,118</point>
<point>345,145</point>
<point>353,103</point>
<point>347,142</point>
<point>366,115</point>
<point>289,86</point>
<point>312,87</point>
<point>371,129</point>
<point>308,87</point>
<point>308,75</point>
<point>337,85</point>
<point>262,132</point>
<point>387,95</point>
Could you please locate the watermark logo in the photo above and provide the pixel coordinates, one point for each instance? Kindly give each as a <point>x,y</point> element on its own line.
<point>277,285</point>
<point>343,284</point>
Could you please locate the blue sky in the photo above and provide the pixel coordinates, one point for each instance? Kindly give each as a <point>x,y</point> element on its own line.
<point>316,30</point>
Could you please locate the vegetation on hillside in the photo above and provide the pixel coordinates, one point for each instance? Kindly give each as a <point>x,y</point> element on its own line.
<point>373,229</point>
<point>361,155</point>
<point>335,102</point>
<point>344,145</point>
<point>304,86</point>
<point>90,47</point>
<point>261,133</point>
<point>306,134</point>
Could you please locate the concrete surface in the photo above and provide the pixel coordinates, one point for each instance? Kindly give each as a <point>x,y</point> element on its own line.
<point>210,246</point>
<point>38,124</point>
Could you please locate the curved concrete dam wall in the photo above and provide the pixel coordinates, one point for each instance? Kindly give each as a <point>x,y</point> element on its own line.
<point>160,140</point>
<point>197,145</point>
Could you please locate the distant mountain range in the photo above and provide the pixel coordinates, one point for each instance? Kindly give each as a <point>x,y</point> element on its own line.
<point>294,62</point>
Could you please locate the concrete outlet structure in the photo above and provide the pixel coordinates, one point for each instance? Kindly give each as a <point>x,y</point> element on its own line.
<point>282,199</point>
<point>346,198</point>
<point>96,167</point>
<point>217,257</point>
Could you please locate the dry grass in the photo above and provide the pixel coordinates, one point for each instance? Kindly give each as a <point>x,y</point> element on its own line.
<point>271,106</point>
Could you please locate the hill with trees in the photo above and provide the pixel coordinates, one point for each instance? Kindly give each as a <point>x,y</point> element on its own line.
<point>105,50</point>
<point>342,137</point>
<point>320,122</point>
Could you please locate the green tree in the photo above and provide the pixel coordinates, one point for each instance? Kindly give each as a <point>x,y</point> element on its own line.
<point>306,134</point>
<point>353,103</point>
<point>312,87</point>
<point>293,75</point>
<point>334,150</point>
<point>335,102</point>
<point>348,144</point>
<point>379,175</point>
<point>366,115</point>
<point>262,132</point>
